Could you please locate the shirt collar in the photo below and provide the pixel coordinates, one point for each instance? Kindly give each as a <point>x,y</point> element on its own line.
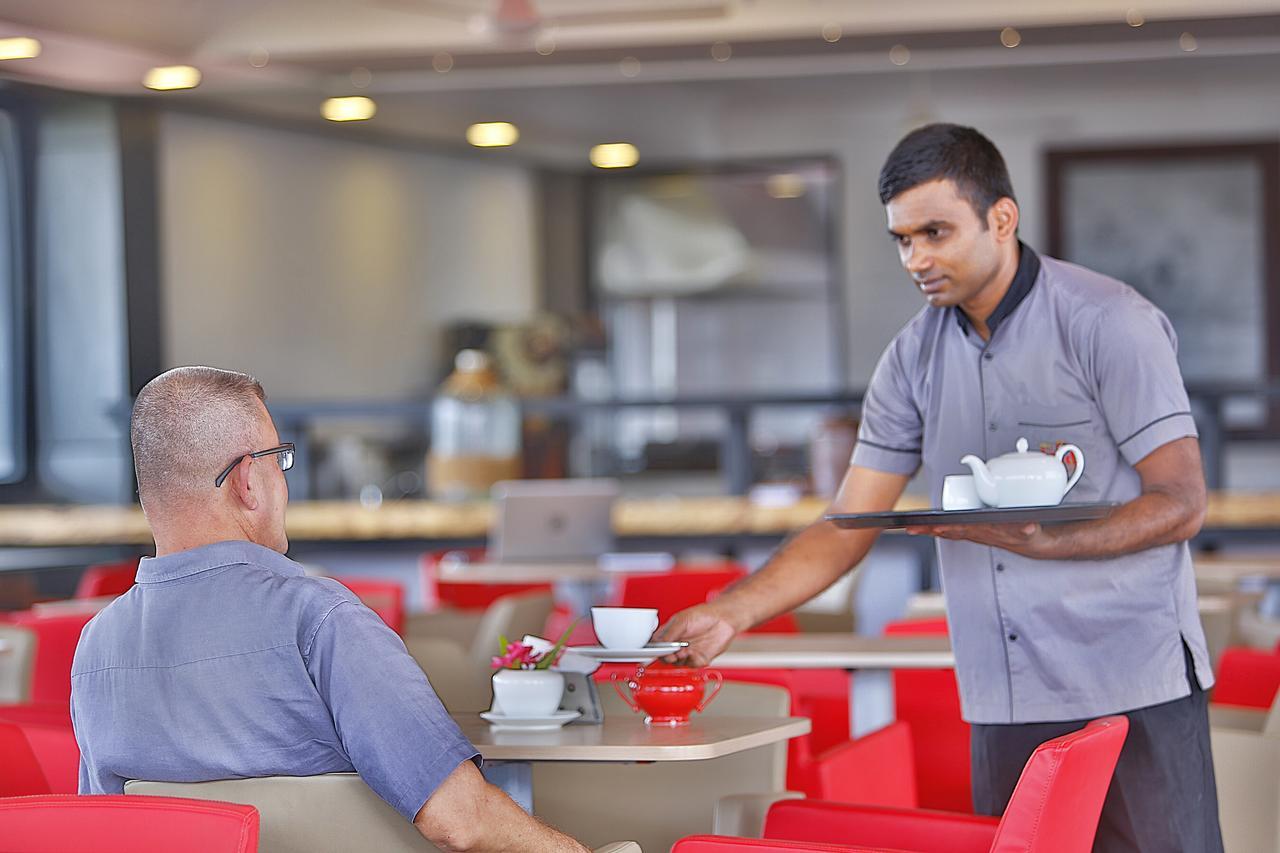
<point>215,556</point>
<point>1023,279</point>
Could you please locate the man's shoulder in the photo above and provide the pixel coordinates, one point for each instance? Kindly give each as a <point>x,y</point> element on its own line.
<point>1089,290</point>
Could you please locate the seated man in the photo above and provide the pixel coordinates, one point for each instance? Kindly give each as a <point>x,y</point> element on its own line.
<point>226,661</point>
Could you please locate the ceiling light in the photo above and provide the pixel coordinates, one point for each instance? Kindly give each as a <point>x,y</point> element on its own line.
<point>348,109</point>
<point>1009,37</point>
<point>899,54</point>
<point>166,78</point>
<point>19,48</point>
<point>721,51</point>
<point>785,185</point>
<point>614,155</point>
<point>361,77</point>
<point>545,44</point>
<point>629,66</point>
<point>442,62</point>
<point>1188,42</point>
<point>259,57</point>
<point>831,32</point>
<point>492,134</point>
<point>1134,18</point>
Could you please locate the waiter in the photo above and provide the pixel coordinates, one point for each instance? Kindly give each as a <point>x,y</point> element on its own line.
<point>1051,626</point>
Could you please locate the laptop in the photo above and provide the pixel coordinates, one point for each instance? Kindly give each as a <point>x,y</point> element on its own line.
<point>539,520</point>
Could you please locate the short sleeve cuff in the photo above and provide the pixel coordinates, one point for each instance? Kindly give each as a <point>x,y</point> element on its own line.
<point>891,460</point>
<point>1156,434</point>
<point>433,777</point>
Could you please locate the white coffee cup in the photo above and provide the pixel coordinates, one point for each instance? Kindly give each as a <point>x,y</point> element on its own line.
<point>959,492</point>
<point>624,627</point>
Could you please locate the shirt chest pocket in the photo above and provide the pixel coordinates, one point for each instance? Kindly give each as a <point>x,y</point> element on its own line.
<point>1047,427</point>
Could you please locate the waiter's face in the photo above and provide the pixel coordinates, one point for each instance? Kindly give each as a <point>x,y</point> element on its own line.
<point>951,253</point>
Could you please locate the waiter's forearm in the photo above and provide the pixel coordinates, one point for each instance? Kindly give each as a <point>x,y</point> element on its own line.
<point>807,564</point>
<point>1156,518</point>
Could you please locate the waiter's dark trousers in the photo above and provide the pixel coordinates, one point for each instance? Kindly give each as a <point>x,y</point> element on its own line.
<point>1163,798</point>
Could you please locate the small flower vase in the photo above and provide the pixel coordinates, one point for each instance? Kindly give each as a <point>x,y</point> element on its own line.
<point>527,692</point>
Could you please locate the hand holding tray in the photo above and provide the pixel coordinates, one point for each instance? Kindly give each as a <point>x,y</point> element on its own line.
<point>1059,514</point>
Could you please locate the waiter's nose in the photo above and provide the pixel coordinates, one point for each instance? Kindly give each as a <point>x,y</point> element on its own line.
<point>916,260</point>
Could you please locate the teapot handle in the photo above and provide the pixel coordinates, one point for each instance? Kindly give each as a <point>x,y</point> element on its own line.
<point>710,675</point>
<point>1075,475</point>
<point>626,697</point>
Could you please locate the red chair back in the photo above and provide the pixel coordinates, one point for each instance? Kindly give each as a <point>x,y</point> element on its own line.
<point>727,844</point>
<point>119,824</point>
<point>20,772</point>
<point>876,769</point>
<point>928,700</point>
<point>386,598</point>
<point>879,827</point>
<point>1058,799</point>
<point>52,741</point>
<point>676,590</point>
<point>107,579</point>
<point>459,594</point>
<point>1247,677</point>
<point>56,638</point>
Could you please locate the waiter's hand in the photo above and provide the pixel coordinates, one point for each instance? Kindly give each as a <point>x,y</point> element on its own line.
<point>1029,540</point>
<point>706,630</point>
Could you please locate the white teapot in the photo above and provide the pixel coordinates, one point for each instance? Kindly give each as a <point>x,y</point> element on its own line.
<point>1025,478</point>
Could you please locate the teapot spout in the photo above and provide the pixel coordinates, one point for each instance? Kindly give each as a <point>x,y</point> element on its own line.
<point>982,481</point>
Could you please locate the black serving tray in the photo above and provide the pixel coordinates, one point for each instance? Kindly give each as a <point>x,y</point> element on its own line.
<point>988,515</point>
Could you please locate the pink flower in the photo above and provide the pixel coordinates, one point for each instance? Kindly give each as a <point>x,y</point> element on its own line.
<point>517,656</point>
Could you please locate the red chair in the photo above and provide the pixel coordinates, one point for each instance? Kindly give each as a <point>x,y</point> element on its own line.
<point>679,589</point>
<point>928,700</point>
<point>876,769</point>
<point>726,844</point>
<point>52,743</point>
<point>1054,808</point>
<point>56,638</point>
<point>107,579</point>
<point>386,598</point>
<point>459,594</point>
<point>119,824</point>
<point>20,771</point>
<point>1247,677</point>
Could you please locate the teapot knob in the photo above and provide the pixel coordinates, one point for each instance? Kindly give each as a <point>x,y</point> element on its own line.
<point>1022,445</point>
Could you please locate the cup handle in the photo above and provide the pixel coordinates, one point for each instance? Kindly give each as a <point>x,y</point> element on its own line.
<point>1075,475</point>
<point>617,685</point>
<point>710,675</point>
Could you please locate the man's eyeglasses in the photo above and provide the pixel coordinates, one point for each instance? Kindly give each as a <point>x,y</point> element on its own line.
<point>284,456</point>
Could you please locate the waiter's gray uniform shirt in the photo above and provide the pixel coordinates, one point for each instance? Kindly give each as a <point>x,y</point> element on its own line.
<point>1074,357</point>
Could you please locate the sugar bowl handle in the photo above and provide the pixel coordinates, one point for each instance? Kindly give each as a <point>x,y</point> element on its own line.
<point>626,695</point>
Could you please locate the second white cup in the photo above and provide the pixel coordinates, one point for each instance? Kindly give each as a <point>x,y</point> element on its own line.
<point>959,492</point>
<point>624,627</point>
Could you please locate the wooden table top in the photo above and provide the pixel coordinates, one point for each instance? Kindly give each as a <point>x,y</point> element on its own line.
<point>318,521</point>
<point>837,651</point>
<point>625,737</point>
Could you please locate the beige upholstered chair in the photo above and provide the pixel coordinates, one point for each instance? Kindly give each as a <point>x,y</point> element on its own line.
<point>17,655</point>
<point>660,802</point>
<point>1246,762</point>
<point>315,814</point>
<point>461,683</point>
<point>511,615</point>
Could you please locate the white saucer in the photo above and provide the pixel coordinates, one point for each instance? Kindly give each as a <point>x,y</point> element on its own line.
<point>652,651</point>
<point>550,722</point>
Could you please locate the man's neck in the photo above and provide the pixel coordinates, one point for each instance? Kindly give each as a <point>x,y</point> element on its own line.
<point>984,303</point>
<point>175,535</point>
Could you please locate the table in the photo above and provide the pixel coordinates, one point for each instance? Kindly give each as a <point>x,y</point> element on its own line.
<point>836,651</point>
<point>509,755</point>
<point>503,573</point>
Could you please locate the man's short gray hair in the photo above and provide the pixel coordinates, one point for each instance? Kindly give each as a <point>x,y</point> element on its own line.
<point>188,424</point>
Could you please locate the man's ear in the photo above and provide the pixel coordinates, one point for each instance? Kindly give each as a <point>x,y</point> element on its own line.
<point>239,481</point>
<point>1002,218</point>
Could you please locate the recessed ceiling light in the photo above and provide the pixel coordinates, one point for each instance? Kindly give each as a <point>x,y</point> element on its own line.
<point>629,66</point>
<point>614,155</point>
<point>442,62</point>
<point>1009,37</point>
<point>493,134</point>
<point>545,44</point>
<point>166,78</point>
<point>361,77</point>
<point>356,108</point>
<point>899,54</point>
<point>1134,18</point>
<point>19,48</point>
<point>721,51</point>
<point>1188,42</point>
<point>831,32</point>
<point>259,57</point>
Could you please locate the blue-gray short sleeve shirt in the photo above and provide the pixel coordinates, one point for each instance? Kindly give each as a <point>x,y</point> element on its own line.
<point>1077,358</point>
<point>227,661</point>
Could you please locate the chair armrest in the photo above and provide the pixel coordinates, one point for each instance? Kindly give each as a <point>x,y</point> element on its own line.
<point>619,847</point>
<point>742,815</point>
<point>921,830</point>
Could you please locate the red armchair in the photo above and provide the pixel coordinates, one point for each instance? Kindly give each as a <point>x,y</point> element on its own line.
<point>107,579</point>
<point>118,824</point>
<point>386,598</point>
<point>1054,809</point>
<point>459,594</point>
<point>1247,677</point>
<point>56,638</point>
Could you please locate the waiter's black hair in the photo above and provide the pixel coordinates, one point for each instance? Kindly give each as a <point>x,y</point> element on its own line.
<point>951,152</point>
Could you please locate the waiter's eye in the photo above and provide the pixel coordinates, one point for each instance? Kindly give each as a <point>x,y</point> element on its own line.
<point>934,233</point>
<point>901,239</point>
